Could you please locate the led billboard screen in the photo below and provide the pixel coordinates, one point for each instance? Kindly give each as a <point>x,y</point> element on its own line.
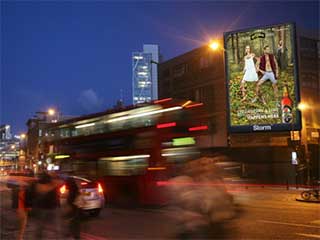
<point>262,79</point>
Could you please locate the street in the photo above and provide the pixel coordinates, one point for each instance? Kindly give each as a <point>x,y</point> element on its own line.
<point>264,213</point>
<point>262,217</point>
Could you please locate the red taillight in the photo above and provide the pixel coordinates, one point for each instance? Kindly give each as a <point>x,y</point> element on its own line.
<point>198,128</point>
<point>166,125</point>
<point>63,189</point>
<point>156,168</point>
<point>83,183</point>
<point>100,189</point>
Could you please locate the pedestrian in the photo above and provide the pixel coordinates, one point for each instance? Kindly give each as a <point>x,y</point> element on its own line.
<point>201,203</point>
<point>19,186</point>
<point>23,207</point>
<point>44,207</point>
<point>73,208</point>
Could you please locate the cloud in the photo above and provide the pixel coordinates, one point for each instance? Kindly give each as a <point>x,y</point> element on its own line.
<point>90,101</point>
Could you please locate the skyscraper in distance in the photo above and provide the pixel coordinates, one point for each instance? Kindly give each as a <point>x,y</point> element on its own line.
<point>5,132</point>
<point>145,74</point>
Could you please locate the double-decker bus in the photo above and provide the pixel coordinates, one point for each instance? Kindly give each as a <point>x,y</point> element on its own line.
<point>129,150</point>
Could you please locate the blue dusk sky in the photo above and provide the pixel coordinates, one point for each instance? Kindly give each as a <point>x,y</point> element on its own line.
<point>76,55</point>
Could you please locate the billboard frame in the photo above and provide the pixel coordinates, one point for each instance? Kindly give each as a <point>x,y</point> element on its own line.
<point>296,126</point>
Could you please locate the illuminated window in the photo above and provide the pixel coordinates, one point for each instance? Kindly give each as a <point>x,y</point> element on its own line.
<point>138,57</point>
<point>142,73</point>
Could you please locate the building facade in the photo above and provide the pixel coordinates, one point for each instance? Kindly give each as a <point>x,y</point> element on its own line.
<point>35,134</point>
<point>9,149</point>
<point>199,75</point>
<point>145,74</point>
<point>309,51</point>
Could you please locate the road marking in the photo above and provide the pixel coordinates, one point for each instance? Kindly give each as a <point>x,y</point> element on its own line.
<point>268,205</point>
<point>289,224</point>
<point>308,235</point>
<point>87,236</point>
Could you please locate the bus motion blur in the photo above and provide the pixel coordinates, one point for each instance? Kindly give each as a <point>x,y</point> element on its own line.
<point>129,150</point>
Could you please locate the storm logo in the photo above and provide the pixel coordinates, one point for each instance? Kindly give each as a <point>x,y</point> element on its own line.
<point>261,128</point>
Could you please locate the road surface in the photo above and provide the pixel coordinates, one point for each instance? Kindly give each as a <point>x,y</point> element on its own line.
<point>264,214</point>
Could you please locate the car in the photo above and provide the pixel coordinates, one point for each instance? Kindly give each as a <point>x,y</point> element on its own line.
<point>15,179</point>
<point>91,191</point>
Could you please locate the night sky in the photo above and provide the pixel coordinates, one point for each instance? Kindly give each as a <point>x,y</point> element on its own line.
<point>76,56</point>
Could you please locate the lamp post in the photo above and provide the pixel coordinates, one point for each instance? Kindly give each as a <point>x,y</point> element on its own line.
<point>304,107</point>
<point>51,112</point>
<point>217,47</point>
<point>22,152</point>
<point>36,128</point>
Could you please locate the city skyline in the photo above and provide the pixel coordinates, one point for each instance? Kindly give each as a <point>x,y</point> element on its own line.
<point>76,57</point>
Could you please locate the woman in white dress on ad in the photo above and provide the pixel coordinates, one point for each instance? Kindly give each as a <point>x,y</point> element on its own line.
<point>250,72</point>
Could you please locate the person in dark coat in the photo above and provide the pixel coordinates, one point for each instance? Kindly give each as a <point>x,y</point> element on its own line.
<point>74,212</point>
<point>45,204</point>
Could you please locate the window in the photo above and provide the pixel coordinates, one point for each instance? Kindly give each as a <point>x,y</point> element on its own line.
<point>179,70</point>
<point>206,61</point>
<point>205,95</point>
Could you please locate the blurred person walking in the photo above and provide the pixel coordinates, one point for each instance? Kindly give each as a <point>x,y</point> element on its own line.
<point>44,207</point>
<point>202,204</point>
<point>23,206</point>
<point>20,183</point>
<point>73,208</point>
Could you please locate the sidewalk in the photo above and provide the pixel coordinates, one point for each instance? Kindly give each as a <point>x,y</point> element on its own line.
<point>9,229</point>
<point>8,224</point>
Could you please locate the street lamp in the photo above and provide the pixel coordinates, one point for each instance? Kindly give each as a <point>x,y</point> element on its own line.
<point>41,119</point>
<point>215,45</point>
<point>51,112</point>
<point>303,106</point>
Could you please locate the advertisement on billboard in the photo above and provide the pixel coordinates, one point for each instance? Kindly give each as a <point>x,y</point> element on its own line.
<point>262,79</point>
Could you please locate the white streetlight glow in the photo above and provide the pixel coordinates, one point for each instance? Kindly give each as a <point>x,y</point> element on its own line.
<point>51,111</point>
